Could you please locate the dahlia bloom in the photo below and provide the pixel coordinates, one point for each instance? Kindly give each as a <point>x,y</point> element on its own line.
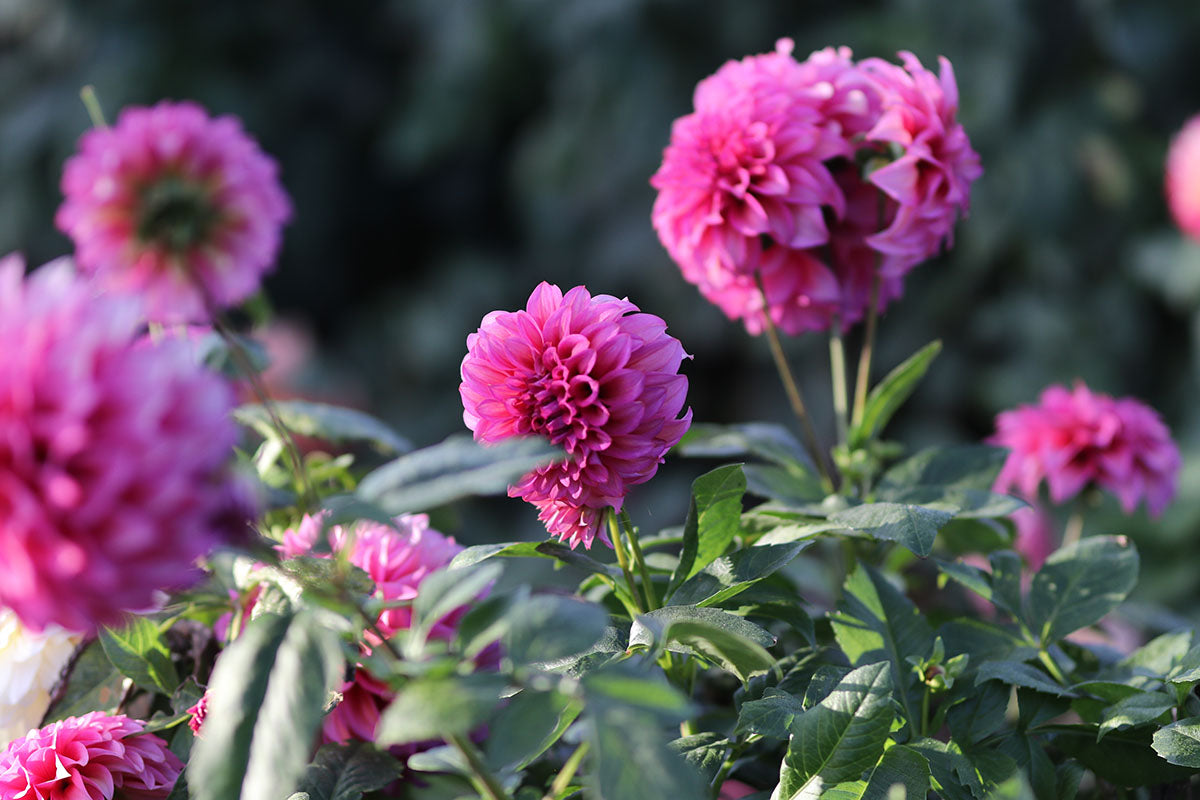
<point>30,666</point>
<point>592,376</point>
<point>397,560</point>
<point>93,757</point>
<point>1036,539</point>
<point>1076,438</point>
<point>198,713</point>
<point>172,204</point>
<point>1183,178</point>
<point>838,171</point>
<point>114,457</point>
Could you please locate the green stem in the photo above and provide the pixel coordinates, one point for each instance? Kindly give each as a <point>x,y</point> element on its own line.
<point>925,712</point>
<point>614,532</point>
<point>792,389</point>
<point>837,366</point>
<point>487,783</point>
<point>563,779</point>
<point>1055,672</point>
<point>863,383</point>
<point>92,103</point>
<point>647,584</point>
<point>623,596</point>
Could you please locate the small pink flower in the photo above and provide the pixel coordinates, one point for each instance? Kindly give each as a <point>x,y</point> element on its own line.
<point>198,714</point>
<point>590,375</point>
<point>93,757</point>
<point>114,456</point>
<point>175,205</point>
<point>1183,178</point>
<point>1074,438</point>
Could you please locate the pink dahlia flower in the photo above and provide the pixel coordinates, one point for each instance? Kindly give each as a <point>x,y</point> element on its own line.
<point>198,713</point>
<point>397,560</point>
<point>593,377</point>
<point>1074,438</point>
<point>114,456</point>
<point>172,204</point>
<point>1183,178</point>
<point>93,757</point>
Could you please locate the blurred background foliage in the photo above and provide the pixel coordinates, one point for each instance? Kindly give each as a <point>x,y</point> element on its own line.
<point>446,155</point>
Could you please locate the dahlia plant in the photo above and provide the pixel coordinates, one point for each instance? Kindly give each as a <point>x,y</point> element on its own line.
<point>833,618</point>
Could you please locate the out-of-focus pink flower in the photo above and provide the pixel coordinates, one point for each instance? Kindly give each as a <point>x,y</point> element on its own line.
<point>198,714</point>
<point>818,175</point>
<point>114,458</point>
<point>733,790</point>
<point>93,757</point>
<point>397,560</point>
<point>1075,438</point>
<point>1036,539</point>
<point>593,377</point>
<point>1183,178</point>
<point>175,205</point>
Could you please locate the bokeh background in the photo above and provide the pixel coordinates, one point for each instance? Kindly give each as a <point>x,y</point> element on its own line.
<point>446,155</point>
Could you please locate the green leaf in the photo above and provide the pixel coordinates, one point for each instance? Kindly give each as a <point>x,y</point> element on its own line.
<point>980,713</point>
<point>137,650</point>
<point>456,468</point>
<point>626,685</point>
<point>730,575</point>
<point>446,590</point>
<point>954,776</point>
<point>322,421</point>
<point>1001,586</point>
<point>1179,742</point>
<point>527,726</point>
<point>95,685</point>
<point>632,760</point>
<point>546,629</point>
<point>964,503</point>
<point>269,690</point>
<point>875,622</point>
<point>723,638</point>
<point>1138,709</point>
<point>1032,758</point>
<point>559,552</point>
<point>713,520</point>
<point>439,707</point>
<point>914,527</point>
<point>1160,655</point>
<point>1017,673</point>
<point>959,467</point>
<point>1081,583</point>
<point>899,766</point>
<point>768,441</point>
<point>836,740</point>
<point>771,716</point>
<point>787,485</point>
<point>705,752</point>
<point>1122,757</point>
<point>890,393</point>
<point>347,772</point>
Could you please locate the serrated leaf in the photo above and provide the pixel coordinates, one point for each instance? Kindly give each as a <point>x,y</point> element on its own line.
<point>1017,673</point>
<point>553,550</point>
<point>1179,742</point>
<point>137,650</point>
<point>1081,583</point>
<point>705,752</point>
<point>767,440</point>
<point>787,485</point>
<point>972,466</point>
<point>954,776</point>
<point>347,772</point>
<point>454,469</point>
<point>527,726</point>
<point>836,740</point>
<point>94,685</point>
<point>269,690</point>
<point>730,575</point>
<point>632,760</point>
<point>1124,758</point>
<point>728,640</point>
<point>772,715</point>
<point>964,503</point>
<point>1137,709</point>
<point>323,421</point>
<point>1032,758</point>
<point>713,520</point>
<point>900,766</point>
<point>980,713</point>
<point>889,394</point>
<point>439,707</point>
<point>912,526</point>
<point>546,629</point>
<point>875,622</point>
<point>626,686</point>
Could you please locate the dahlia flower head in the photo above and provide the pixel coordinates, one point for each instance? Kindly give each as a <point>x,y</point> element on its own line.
<point>1075,438</point>
<point>590,374</point>
<point>93,757</point>
<point>398,561</point>
<point>175,205</point>
<point>1183,178</point>
<point>30,666</point>
<point>812,177</point>
<point>115,457</point>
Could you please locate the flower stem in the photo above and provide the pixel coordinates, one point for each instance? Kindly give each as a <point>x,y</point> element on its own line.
<point>1055,672</point>
<point>92,103</point>
<point>563,779</point>
<point>925,712</point>
<point>837,367</point>
<point>863,384</point>
<point>1074,530</point>
<point>647,585</point>
<point>487,783</point>
<point>793,389</point>
<point>614,531</point>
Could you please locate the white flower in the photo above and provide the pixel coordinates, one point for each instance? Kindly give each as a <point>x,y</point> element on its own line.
<point>30,665</point>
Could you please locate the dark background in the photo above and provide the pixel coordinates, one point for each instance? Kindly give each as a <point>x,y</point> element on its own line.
<point>446,155</point>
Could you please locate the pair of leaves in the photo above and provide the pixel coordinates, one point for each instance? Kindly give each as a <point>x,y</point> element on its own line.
<point>725,639</point>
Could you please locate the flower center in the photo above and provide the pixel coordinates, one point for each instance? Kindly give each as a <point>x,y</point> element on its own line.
<point>176,214</point>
